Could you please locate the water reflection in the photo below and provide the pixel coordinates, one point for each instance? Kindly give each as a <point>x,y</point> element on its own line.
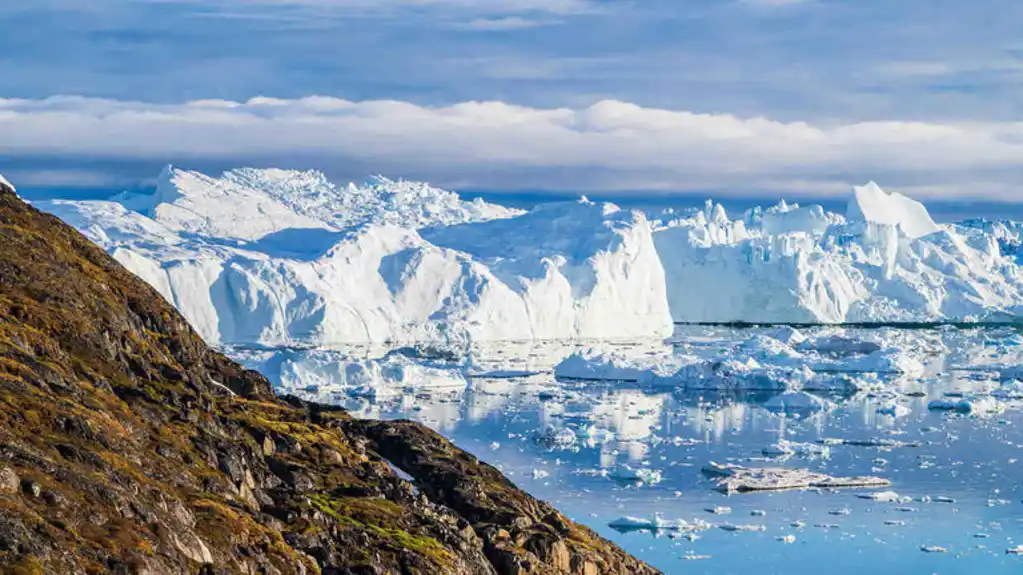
<point>521,425</point>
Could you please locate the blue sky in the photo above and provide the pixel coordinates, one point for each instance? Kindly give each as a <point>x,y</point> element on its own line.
<point>724,97</point>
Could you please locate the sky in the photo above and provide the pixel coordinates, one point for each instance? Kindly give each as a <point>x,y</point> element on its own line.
<point>724,98</point>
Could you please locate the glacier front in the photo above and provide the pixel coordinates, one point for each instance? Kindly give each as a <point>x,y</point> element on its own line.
<point>285,258</point>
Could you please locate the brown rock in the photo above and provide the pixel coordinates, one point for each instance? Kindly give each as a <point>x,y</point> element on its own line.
<point>9,480</point>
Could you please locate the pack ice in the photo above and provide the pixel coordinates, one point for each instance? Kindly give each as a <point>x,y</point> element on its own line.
<point>278,257</point>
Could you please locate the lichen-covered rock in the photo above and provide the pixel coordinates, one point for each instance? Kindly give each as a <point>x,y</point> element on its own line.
<point>129,446</point>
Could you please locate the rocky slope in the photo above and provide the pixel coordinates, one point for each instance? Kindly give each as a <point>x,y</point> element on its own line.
<point>129,446</point>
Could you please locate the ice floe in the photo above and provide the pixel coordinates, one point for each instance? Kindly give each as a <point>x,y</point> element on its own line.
<point>658,523</point>
<point>735,478</point>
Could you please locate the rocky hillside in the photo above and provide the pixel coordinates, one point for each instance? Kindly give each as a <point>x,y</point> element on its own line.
<point>129,446</point>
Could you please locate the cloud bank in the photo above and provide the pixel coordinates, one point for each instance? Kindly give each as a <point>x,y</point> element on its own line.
<point>608,146</point>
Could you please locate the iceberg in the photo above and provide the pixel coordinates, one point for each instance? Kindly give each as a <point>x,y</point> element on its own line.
<point>884,261</point>
<point>287,258</point>
<point>284,258</point>
<point>798,403</point>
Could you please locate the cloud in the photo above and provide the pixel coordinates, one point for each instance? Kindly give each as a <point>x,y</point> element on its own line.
<point>502,24</point>
<point>610,145</point>
<point>773,3</point>
<point>472,6</point>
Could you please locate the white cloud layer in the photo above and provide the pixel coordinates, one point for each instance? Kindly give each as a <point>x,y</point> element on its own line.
<point>610,145</point>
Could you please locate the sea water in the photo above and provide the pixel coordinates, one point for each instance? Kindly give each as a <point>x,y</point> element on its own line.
<point>957,474</point>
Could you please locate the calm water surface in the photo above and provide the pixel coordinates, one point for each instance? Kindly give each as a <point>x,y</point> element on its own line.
<point>971,460</point>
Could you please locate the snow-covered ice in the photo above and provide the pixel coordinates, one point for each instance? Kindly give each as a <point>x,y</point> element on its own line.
<point>798,403</point>
<point>884,261</point>
<point>736,478</point>
<point>278,257</point>
<point>658,523</point>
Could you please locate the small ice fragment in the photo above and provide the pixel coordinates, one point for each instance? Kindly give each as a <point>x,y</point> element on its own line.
<point>787,539</point>
<point>882,496</point>
<point>640,475</point>
<point>741,528</point>
<point>758,513</point>
<point>933,549</point>
<point>894,410</point>
<point>720,510</point>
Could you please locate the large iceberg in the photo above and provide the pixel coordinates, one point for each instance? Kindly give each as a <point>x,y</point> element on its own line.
<point>884,261</point>
<point>276,257</point>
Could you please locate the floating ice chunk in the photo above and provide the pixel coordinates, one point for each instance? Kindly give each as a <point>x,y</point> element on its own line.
<point>790,448</point>
<point>885,361</point>
<point>788,335</point>
<point>594,435</point>
<point>787,539</point>
<point>968,405</point>
<point>719,510</point>
<point>732,375</point>
<point>657,523</point>
<point>322,372</point>
<point>1010,390</point>
<point>554,437</point>
<point>596,365</point>
<point>933,549</point>
<point>798,403</point>
<point>839,345</point>
<point>637,475</point>
<point>884,497</point>
<point>540,474</point>
<point>894,409</point>
<point>1017,550</point>
<point>842,383</point>
<point>735,478</point>
<point>882,442</point>
<point>741,528</point>
<point>769,350</point>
